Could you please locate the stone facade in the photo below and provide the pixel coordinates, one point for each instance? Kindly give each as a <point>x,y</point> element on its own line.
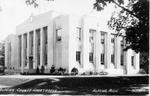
<point>69,41</point>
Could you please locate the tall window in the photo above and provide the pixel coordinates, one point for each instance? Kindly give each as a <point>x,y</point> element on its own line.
<point>102,59</point>
<point>38,36</point>
<point>122,60</point>
<point>91,37</point>
<point>103,37</point>
<point>45,34</point>
<point>113,48</point>
<point>112,58</point>
<point>58,34</point>
<point>38,46</point>
<point>25,54</point>
<point>121,52</point>
<point>132,60</point>
<point>20,44</point>
<point>91,57</point>
<point>31,42</point>
<point>78,56</point>
<point>103,34</point>
<point>45,47</point>
<point>113,39</point>
<point>78,33</point>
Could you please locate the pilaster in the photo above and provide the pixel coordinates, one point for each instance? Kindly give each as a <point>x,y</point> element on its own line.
<point>107,50</point>
<point>41,47</point>
<point>22,53</point>
<point>34,49</point>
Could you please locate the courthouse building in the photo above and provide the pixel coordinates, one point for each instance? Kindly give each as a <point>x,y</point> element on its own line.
<point>69,41</point>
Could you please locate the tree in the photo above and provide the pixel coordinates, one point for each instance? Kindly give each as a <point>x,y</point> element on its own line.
<point>34,2</point>
<point>133,18</point>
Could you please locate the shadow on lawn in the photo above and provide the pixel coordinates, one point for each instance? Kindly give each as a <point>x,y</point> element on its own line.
<point>84,85</point>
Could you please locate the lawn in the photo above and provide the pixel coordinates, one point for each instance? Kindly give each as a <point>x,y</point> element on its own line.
<point>81,85</point>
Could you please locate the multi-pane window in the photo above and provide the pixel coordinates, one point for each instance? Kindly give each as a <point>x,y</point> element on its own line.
<point>121,45</point>
<point>58,34</point>
<point>46,58</point>
<point>103,34</point>
<point>38,47</point>
<point>91,37</point>
<point>78,33</point>
<point>31,43</point>
<point>20,47</point>
<point>103,37</point>
<point>78,56</point>
<point>122,60</point>
<point>112,58</point>
<point>102,59</point>
<point>45,47</point>
<point>91,57</point>
<point>112,48</point>
<point>45,34</point>
<point>38,36</point>
<point>132,60</point>
<point>113,39</point>
<point>25,38</point>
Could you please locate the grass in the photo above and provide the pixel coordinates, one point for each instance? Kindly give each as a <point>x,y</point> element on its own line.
<point>12,81</point>
<point>82,85</point>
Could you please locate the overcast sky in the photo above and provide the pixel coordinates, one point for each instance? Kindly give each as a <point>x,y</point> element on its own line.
<point>14,12</point>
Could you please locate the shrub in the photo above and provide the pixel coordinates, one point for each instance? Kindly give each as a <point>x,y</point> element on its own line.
<point>83,73</point>
<point>74,71</point>
<point>103,73</point>
<point>90,73</point>
<point>42,69</point>
<point>61,71</point>
<point>95,73</point>
<point>52,70</point>
<point>37,70</point>
<point>142,71</point>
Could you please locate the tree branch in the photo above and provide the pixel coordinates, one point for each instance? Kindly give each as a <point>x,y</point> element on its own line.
<point>127,10</point>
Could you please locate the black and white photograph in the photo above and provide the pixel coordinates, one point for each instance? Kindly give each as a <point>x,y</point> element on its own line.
<point>74,47</point>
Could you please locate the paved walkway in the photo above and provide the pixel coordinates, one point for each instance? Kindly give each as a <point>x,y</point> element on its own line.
<point>59,76</point>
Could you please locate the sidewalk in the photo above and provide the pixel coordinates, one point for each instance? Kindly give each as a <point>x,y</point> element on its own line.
<point>59,76</point>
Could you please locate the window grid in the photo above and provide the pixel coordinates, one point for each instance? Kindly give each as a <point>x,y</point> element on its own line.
<point>58,34</point>
<point>78,33</point>
<point>78,57</point>
<point>91,57</point>
<point>102,59</point>
<point>132,60</point>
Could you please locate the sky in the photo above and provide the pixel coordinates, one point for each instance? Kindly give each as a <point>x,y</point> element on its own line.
<point>14,12</point>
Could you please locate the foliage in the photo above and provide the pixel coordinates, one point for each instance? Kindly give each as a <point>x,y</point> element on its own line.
<point>35,3</point>
<point>142,71</point>
<point>103,73</point>
<point>74,71</point>
<point>42,69</point>
<point>37,70</point>
<point>52,70</point>
<point>144,62</point>
<point>133,18</point>
<point>61,71</point>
